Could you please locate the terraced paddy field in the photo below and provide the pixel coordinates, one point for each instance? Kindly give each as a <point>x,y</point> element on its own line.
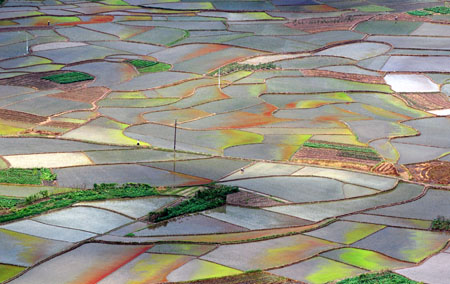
<point>258,142</point>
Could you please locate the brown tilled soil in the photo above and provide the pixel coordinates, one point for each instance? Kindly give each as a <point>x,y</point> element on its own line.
<point>401,17</point>
<point>244,198</point>
<point>33,80</point>
<point>245,278</point>
<point>61,124</point>
<point>435,172</point>
<point>344,76</point>
<point>330,157</point>
<point>316,25</point>
<point>386,169</point>
<point>426,101</point>
<point>21,116</point>
<point>85,95</point>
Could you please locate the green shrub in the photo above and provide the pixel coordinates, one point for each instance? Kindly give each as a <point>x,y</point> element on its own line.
<point>209,198</point>
<point>440,224</point>
<point>439,10</point>
<point>378,278</point>
<point>7,203</point>
<point>67,78</point>
<point>100,192</point>
<point>26,176</point>
<point>145,66</point>
<point>420,13</point>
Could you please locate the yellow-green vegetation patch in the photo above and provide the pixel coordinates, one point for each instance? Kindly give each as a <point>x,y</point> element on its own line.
<point>373,8</point>
<point>345,232</point>
<point>127,95</point>
<point>318,270</point>
<point>9,130</point>
<point>146,66</point>
<point>236,75</point>
<point>67,78</point>
<point>365,259</point>
<point>200,269</point>
<point>239,137</point>
<point>9,271</point>
<point>184,249</point>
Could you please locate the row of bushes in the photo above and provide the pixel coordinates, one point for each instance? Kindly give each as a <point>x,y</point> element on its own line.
<point>100,192</point>
<point>26,176</point>
<point>67,78</point>
<point>212,197</point>
<point>440,224</point>
<point>233,67</point>
<point>339,147</point>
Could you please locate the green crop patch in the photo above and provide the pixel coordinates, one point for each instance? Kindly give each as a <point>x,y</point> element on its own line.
<point>439,10</point>
<point>378,278</point>
<point>340,147</point>
<point>420,13</point>
<point>146,66</point>
<point>26,176</point>
<point>67,78</point>
<point>233,67</point>
<point>42,202</point>
<point>212,197</point>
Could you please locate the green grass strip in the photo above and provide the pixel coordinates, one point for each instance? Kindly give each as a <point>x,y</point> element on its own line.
<point>100,192</point>
<point>202,200</point>
<point>67,78</point>
<point>378,278</point>
<point>146,66</point>
<point>340,147</point>
<point>26,176</point>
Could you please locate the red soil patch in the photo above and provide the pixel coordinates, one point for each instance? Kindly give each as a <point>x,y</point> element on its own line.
<point>92,20</point>
<point>209,48</point>
<point>19,116</point>
<point>344,76</point>
<point>426,101</point>
<point>109,266</point>
<point>385,169</point>
<point>436,172</point>
<point>33,80</point>
<point>85,95</point>
<point>320,8</point>
<point>315,25</point>
<point>244,198</point>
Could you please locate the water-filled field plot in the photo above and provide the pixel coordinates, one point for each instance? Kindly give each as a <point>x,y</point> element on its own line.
<point>404,244</point>
<point>270,253</point>
<point>330,117</point>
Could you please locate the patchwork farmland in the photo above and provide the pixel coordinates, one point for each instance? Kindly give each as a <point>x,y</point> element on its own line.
<point>223,142</point>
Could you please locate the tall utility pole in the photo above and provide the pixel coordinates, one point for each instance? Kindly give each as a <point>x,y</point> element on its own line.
<point>175,139</point>
<point>27,48</point>
<point>174,147</point>
<point>219,78</point>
